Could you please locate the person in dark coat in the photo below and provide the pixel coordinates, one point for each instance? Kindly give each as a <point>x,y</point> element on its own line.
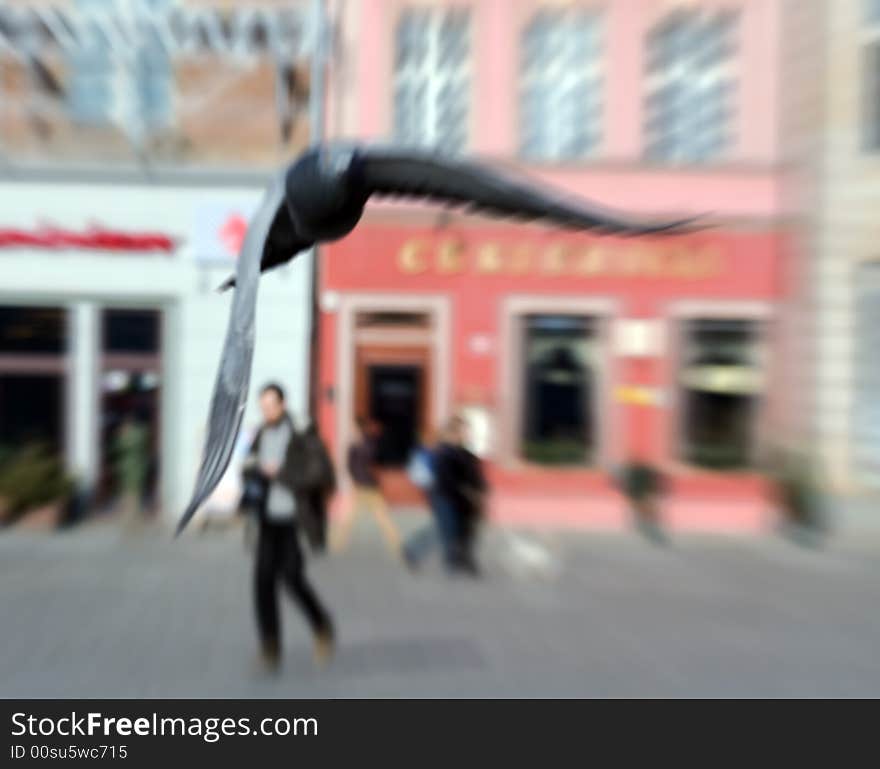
<point>295,470</point>
<point>459,492</point>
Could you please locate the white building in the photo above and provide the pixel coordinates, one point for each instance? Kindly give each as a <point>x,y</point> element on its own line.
<point>83,249</point>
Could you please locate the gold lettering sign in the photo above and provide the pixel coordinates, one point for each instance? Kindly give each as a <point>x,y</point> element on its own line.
<point>592,262</point>
<point>554,260</point>
<point>450,257</point>
<point>489,258</point>
<point>644,260</point>
<point>521,259</point>
<point>411,258</point>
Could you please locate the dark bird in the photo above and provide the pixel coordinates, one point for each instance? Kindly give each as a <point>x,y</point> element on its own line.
<point>321,197</point>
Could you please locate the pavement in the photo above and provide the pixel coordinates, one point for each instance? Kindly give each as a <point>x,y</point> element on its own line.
<point>98,611</point>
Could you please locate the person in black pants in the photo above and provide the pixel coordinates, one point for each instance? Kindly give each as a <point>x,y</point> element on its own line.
<point>459,493</point>
<point>293,466</point>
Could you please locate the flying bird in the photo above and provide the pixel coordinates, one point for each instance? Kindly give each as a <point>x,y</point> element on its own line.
<point>320,198</point>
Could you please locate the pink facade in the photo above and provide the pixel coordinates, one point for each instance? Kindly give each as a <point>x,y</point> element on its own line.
<point>472,355</point>
<point>746,185</point>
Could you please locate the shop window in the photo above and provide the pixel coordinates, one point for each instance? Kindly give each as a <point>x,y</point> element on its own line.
<point>131,331</point>
<point>131,400</point>
<point>689,86</point>
<point>721,382</point>
<point>432,78</point>
<point>559,427</point>
<point>33,346</point>
<point>32,330</point>
<point>31,411</point>
<point>560,75</point>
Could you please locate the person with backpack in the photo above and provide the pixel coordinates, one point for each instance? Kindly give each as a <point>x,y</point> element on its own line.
<point>440,530</point>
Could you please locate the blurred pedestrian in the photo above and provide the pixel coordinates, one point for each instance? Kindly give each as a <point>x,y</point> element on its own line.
<point>642,485</point>
<point>293,467</point>
<point>441,529</point>
<point>131,457</point>
<point>367,492</point>
<point>460,491</point>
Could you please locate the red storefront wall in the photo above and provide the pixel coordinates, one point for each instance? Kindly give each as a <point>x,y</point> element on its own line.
<point>476,269</point>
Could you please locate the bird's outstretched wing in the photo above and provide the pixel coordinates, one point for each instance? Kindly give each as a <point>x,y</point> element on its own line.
<point>479,188</point>
<point>231,388</point>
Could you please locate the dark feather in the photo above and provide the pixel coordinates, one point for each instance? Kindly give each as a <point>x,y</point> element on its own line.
<point>480,189</point>
<point>231,388</point>
<point>281,245</point>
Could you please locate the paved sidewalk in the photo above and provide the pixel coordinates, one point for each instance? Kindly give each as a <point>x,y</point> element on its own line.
<point>93,612</point>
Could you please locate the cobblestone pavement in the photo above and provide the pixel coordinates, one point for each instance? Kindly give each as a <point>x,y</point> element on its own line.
<point>96,612</point>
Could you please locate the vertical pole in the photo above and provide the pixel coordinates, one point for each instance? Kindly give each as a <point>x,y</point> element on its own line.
<point>317,88</point>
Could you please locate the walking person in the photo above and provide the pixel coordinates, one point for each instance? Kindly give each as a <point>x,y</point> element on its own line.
<point>131,453</point>
<point>367,493</point>
<point>292,467</point>
<point>441,528</point>
<point>460,489</point>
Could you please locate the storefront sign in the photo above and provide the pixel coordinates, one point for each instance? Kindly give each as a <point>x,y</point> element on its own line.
<point>638,395</point>
<point>636,260</point>
<point>219,229</point>
<point>92,239</point>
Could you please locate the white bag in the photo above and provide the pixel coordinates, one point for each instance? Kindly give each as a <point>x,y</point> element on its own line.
<point>419,470</point>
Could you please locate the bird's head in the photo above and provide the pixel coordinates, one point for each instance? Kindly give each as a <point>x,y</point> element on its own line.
<point>325,194</point>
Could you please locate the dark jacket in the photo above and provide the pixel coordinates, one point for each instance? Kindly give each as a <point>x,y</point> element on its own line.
<point>361,459</point>
<point>458,475</point>
<point>307,472</point>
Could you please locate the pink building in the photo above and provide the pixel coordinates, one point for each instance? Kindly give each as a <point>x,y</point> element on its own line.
<point>572,355</point>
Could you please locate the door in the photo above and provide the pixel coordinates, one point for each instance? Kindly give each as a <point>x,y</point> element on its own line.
<point>392,392</point>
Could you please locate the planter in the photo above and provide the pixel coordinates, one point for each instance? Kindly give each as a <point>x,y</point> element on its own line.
<point>43,518</point>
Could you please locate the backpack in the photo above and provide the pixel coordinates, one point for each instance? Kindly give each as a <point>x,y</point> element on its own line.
<point>419,469</point>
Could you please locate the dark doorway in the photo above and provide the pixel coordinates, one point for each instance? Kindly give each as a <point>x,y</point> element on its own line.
<point>395,405</point>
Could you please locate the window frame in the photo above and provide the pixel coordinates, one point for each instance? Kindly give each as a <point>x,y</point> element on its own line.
<point>433,82</point>
<point>869,119</point>
<point>677,314</point>
<point>654,80</point>
<point>513,310</point>
<point>594,71</point>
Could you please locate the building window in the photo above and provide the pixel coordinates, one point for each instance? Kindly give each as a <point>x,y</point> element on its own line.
<point>721,382</point>
<point>432,78</point>
<point>560,76</point>
<point>690,84</point>
<point>131,331</point>
<point>33,346</point>
<point>871,77</point>
<point>559,426</point>
<point>130,406</point>
<point>133,89</point>
<point>866,406</point>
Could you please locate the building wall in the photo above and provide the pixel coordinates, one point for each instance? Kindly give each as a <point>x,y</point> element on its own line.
<point>223,109</point>
<point>837,185</point>
<point>195,315</point>
<point>743,186</point>
<point>744,192</point>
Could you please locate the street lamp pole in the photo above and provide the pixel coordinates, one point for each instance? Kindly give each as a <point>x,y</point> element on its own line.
<point>317,89</point>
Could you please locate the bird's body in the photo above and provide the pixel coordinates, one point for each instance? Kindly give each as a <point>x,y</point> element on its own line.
<point>321,197</point>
